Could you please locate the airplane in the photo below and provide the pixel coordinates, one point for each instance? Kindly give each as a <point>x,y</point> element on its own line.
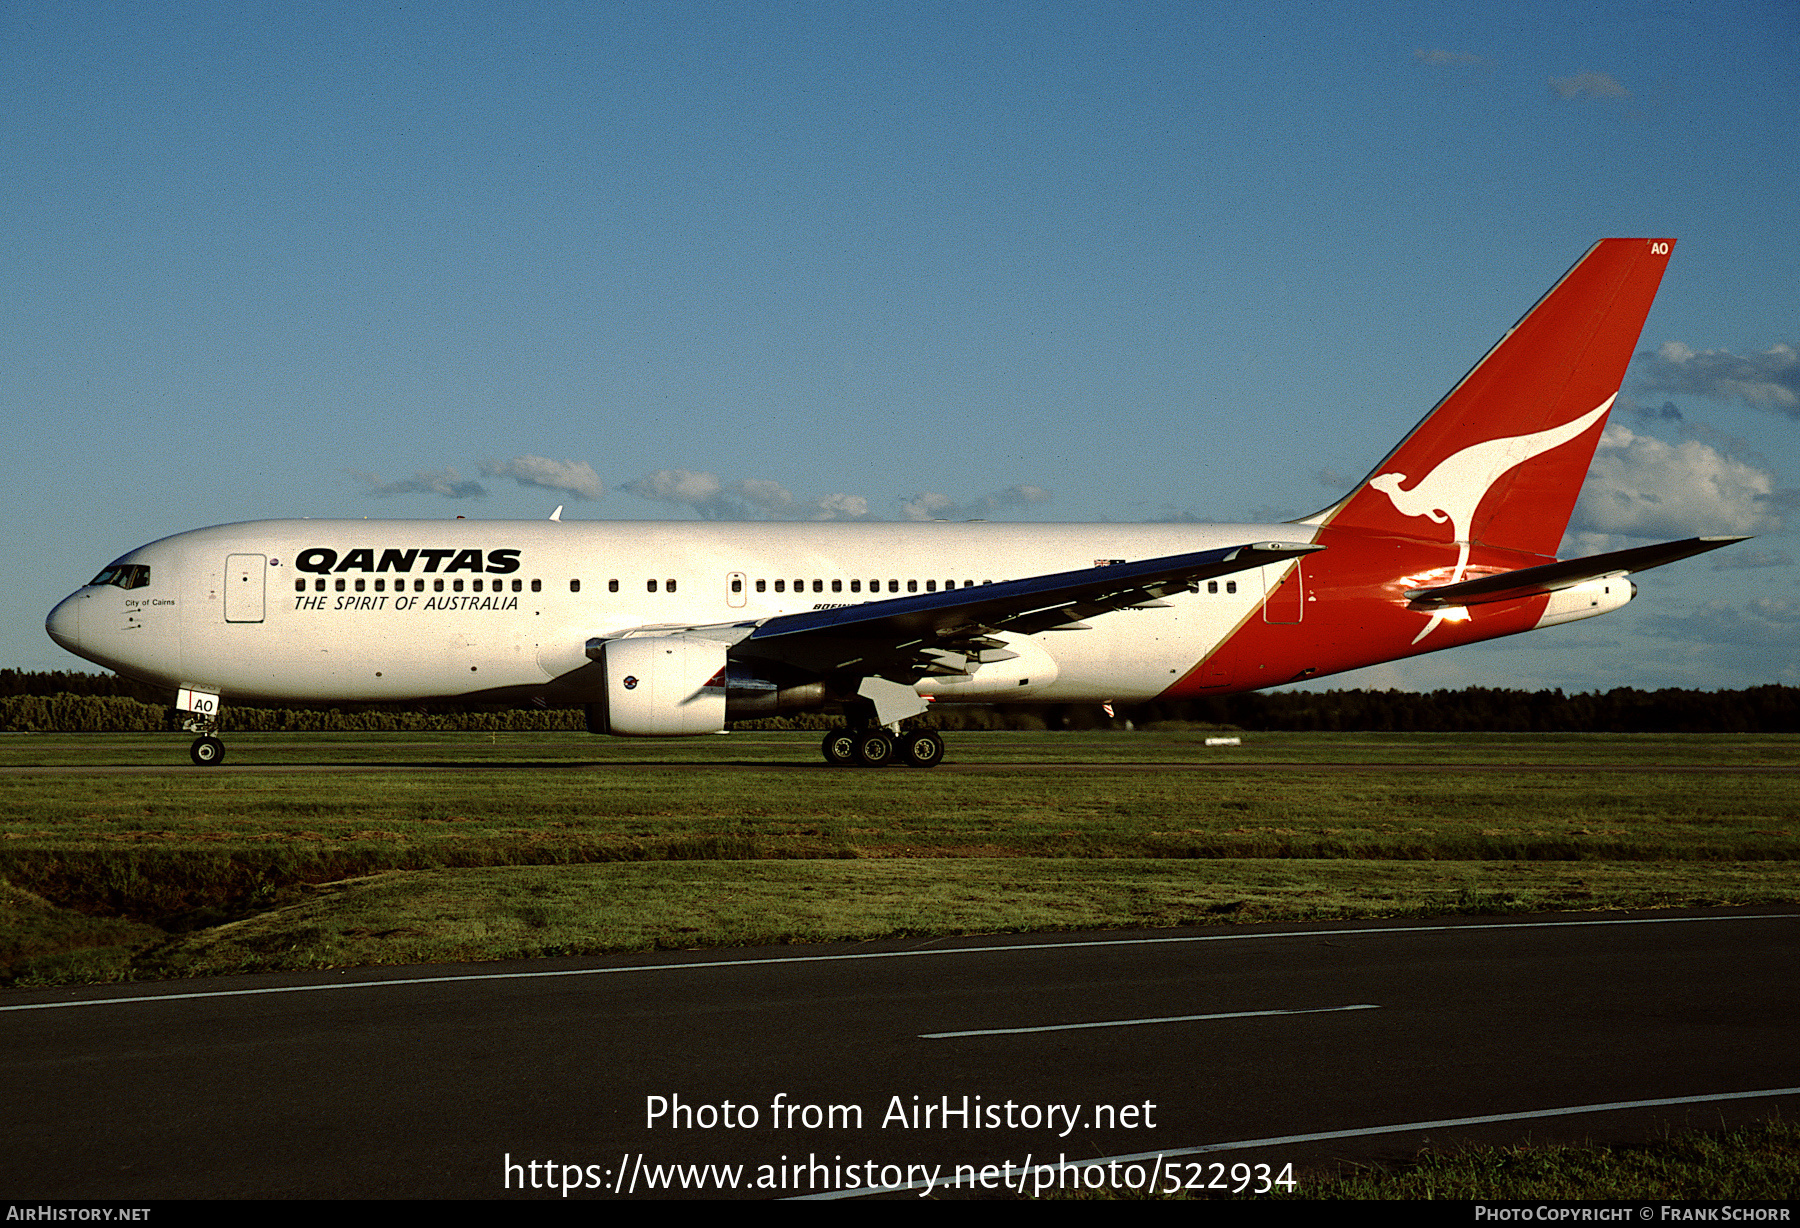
<point>666,629</point>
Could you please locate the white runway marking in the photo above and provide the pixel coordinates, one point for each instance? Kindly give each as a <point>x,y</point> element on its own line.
<point>913,954</point>
<point>1131,1023</point>
<point>1142,1157</point>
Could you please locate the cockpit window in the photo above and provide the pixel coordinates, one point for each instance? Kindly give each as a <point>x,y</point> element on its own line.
<point>125,575</point>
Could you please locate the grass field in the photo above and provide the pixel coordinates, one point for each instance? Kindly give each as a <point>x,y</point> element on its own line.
<point>118,860</point>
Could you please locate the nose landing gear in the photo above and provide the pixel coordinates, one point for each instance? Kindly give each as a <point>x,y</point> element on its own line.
<point>200,712</point>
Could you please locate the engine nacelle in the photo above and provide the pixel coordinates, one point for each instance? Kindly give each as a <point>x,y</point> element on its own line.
<point>749,694</point>
<point>1586,600</point>
<point>661,686</point>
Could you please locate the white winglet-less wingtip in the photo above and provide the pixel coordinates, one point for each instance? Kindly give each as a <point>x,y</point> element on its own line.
<point>665,629</point>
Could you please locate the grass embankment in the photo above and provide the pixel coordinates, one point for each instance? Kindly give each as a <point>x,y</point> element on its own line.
<point>1759,1162</point>
<point>1756,1162</point>
<point>467,847</point>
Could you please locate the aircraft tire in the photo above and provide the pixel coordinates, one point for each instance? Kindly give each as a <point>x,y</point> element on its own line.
<point>207,752</point>
<point>839,747</point>
<point>922,748</point>
<point>874,748</point>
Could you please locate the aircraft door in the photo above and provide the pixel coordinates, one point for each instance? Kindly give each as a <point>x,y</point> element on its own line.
<point>244,574</point>
<point>734,589</point>
<point>1284,599</point>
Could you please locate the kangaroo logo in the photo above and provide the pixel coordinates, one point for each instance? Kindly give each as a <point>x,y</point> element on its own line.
<point>1454,489</point>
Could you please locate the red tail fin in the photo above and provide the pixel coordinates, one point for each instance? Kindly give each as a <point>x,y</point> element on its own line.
<point>1500,460</point>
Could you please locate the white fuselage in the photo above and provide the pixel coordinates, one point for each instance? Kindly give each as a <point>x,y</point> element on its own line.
<point>364,610</point>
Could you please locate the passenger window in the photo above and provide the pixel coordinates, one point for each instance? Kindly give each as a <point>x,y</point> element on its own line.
<point>856,586</point>
<point>912,586</point>
<point>612,586</point>
<point>781,586</point>
<point>574,586</point>
<point>340,584</point>
<point>893,586</point>
<point>737,584</point>
<point>650,585</point>
<point>359,585</point>
<point>931,586</point>
<point>837,586</point>
<point>537,586</point>
<point>1212,586</point>
<point>456,586</point>
<point>762,586</point>
<point>1231,586</point>
<point>818,586</point>
<point>299,586</point>
<point>518,585</point>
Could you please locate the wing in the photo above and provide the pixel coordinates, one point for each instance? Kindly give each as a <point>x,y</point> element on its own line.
<point>926,635</point>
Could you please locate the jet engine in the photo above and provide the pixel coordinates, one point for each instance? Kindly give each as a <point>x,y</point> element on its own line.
<point>668,686</point>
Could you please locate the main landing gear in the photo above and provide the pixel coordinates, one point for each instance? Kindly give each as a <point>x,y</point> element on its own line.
<point>873,746</point>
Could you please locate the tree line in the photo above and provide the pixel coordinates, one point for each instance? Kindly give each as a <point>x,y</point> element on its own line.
<point>64,701</point>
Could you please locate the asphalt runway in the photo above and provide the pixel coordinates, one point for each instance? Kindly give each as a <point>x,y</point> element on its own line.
<point>823,1070</point>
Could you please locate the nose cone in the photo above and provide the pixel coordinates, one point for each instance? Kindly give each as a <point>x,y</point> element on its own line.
<point>64,623</point>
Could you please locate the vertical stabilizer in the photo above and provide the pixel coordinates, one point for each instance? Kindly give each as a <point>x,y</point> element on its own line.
<point>1500,460</point>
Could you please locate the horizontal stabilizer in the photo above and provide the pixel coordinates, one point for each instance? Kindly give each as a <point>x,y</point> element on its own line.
<point>1531,581</point>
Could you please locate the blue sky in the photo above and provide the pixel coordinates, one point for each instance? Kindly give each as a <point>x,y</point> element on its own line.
<point>1051,262</point>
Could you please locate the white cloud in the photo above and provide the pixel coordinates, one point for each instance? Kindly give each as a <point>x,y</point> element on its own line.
<point>1750,560</point>
<point>773,500</point>
<point>749,499</point>
<point>1641,486</point>
<point>445,482</point>
<point>933,506</point>
<point>681,486</point>
<point>712,498</point>
<point>1770,380</point>
<point>1761,622</point>
<point>1596,84</point>
<point>575,478</point>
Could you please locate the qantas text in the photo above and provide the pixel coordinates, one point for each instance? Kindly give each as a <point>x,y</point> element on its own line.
<point>323,560</point>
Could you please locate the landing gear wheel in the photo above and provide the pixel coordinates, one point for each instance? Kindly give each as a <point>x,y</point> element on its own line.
<point>839,748</point>
<point>207,751</point>
<point>874,748</point>
<point>922,748</point>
